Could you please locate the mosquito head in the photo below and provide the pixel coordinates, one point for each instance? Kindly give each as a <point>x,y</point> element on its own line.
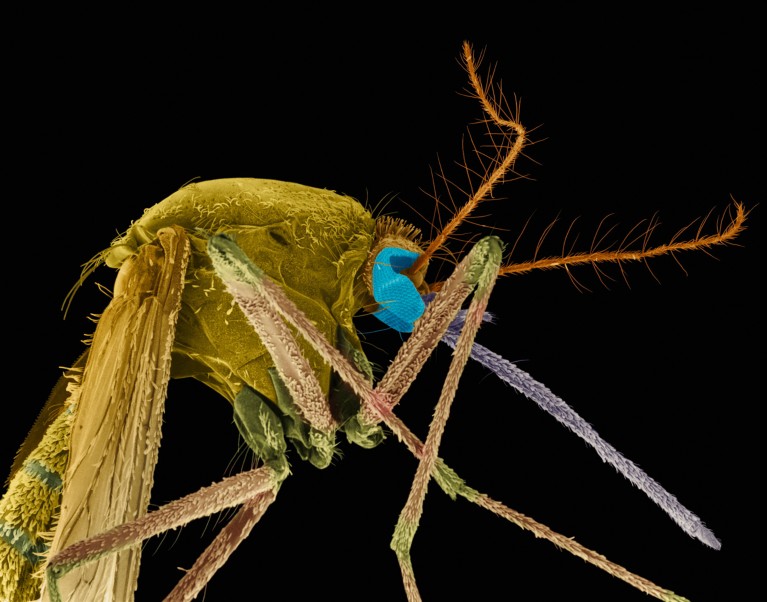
<point>389,294</point>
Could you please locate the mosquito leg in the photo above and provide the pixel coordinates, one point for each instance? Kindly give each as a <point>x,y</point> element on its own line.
<point>454,486</point>
<point>232,491</point>
<point>379,403</point>
<point>572,546</point>
<point>483,269</point>
<point>218,552</point>
<point>246,282</point>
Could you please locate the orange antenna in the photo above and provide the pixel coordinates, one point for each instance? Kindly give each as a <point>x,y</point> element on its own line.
<point>724,235</point>
<point>492,102</point>
<point>504,121</point>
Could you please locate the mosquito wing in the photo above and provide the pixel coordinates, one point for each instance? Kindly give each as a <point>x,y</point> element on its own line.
<point>116,431</point>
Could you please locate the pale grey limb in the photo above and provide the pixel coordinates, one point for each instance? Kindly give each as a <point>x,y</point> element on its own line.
<point>688,521</point>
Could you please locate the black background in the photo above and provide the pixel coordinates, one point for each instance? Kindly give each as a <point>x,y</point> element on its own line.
<point>661,121</point>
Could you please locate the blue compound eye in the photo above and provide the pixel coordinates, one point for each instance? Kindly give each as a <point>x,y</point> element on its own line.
<point>400,302</point>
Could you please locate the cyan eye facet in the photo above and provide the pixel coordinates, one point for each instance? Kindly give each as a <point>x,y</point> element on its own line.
<point>401,303</point>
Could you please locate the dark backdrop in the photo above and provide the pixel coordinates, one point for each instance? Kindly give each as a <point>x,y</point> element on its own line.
<point>629,124</point>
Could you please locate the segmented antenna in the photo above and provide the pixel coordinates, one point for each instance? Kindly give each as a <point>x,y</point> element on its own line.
<point>501,164</point>
<point>498,116</point>
<point>728,227</point>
